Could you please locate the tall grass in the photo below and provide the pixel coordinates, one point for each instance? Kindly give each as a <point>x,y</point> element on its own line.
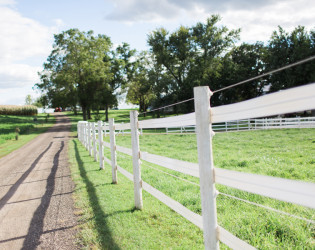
<point>28,110</point>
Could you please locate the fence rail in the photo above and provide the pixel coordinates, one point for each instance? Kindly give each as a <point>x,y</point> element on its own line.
<point>292,100</point>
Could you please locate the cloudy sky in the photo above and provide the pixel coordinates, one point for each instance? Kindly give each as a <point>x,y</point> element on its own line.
<point>27,27</point>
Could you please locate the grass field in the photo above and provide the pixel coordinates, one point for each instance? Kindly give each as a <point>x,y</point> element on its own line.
<point>29,129</point>
<point>110,222</point>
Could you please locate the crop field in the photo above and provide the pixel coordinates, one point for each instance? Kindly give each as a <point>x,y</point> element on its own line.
<point>286,153</point>
<point>28,130</point>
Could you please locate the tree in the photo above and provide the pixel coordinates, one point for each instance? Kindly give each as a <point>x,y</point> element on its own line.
<point>75,70</point>
<point>140,89</point>
<point>241,63</point>
<point>28,100</point>
<point>191,56</point>
<point>286,48</point>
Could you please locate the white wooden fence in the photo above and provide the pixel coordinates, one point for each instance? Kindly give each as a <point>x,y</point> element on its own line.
<point>297,192</point>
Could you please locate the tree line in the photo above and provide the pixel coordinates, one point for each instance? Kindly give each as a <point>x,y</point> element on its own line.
<point>86,70</point>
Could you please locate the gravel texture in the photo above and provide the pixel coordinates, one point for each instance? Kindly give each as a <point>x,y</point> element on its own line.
<point>36,205</point>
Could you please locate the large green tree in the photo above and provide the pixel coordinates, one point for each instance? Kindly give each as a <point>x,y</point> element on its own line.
<point>140,88</point>
<point>191,56</point>
<point>286,48</point>
<point>239,64</point>
<point>76,70</point>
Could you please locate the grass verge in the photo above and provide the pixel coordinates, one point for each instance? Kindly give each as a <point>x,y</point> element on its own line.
<point>28,127</point>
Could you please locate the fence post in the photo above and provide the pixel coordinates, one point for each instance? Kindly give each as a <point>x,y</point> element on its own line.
<point>89,139</point>
<point>248,124</point>
<point>100,144</point>
<point>136,159</point>
<point>206,167</point>
<point>113,149</point>
<point>94,142</point>
<point>78,131</point>
<point>166,130</point>
<point>85,136</point>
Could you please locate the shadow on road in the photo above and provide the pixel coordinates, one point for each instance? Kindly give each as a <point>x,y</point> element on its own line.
<point>104,233</point>
<point>16,185</point>
<point>36,229</point>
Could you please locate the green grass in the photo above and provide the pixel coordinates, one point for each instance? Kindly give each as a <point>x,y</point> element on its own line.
<point>287,153</point>
<point>29,129</point>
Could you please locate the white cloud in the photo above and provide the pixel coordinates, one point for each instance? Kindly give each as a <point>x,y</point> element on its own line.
<point>257,19</point>
<point>21,37</point>
<point>22,41</point>
<point>7,2</point>
<point>143,10</point>
<point>18,75</point>
<point>259,25</point>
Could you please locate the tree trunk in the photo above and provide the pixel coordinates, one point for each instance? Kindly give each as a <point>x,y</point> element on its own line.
<point>84,113</point>
<point>106,112</point>
<point>89,113</point>
<point>75,110</point>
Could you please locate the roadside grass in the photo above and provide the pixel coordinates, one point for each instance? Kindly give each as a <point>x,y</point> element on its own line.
<point>29,129</point>
<point>109,220</point>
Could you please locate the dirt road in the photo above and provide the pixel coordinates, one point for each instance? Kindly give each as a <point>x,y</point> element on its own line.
<point>36,206</point>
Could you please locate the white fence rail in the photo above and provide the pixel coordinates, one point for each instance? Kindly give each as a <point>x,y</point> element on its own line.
<point>288,101</point>
<point>251,124</point>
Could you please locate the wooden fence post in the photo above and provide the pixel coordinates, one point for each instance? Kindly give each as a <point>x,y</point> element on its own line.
<point>136,159</point>
<point>206,167</point>
<point>113,149</point>
<point>94,142</point>
<point>100,144</point>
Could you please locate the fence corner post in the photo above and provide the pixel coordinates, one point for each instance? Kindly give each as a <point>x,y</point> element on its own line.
<point>100,144</point>
<point>136,159</point>
<point>206,168</point>
<point>113,149</point>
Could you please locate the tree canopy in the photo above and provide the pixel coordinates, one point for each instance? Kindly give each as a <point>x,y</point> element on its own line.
<point>84,69</point>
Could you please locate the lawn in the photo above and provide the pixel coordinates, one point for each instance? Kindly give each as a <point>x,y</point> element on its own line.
<point>109,220</point>
<point>29,128</point>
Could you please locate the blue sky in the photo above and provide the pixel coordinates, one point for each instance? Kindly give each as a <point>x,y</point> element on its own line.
<point>27,27</point>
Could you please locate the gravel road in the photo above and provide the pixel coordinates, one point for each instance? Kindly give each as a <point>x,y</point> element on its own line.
<point>36,206</point>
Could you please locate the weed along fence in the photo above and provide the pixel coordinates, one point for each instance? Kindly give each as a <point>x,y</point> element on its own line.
<point>296,192</point>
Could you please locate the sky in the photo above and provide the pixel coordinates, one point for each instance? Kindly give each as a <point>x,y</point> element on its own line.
<point>27,27</point>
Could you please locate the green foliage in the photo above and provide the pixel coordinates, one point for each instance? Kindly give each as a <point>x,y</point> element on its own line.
<point>140,89</point>
<point>28,100</point>
<point>191,56</point>
<point>83,69</point>
<point>18,110</point>
<point>76,69</point>
<point>285,48</point>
